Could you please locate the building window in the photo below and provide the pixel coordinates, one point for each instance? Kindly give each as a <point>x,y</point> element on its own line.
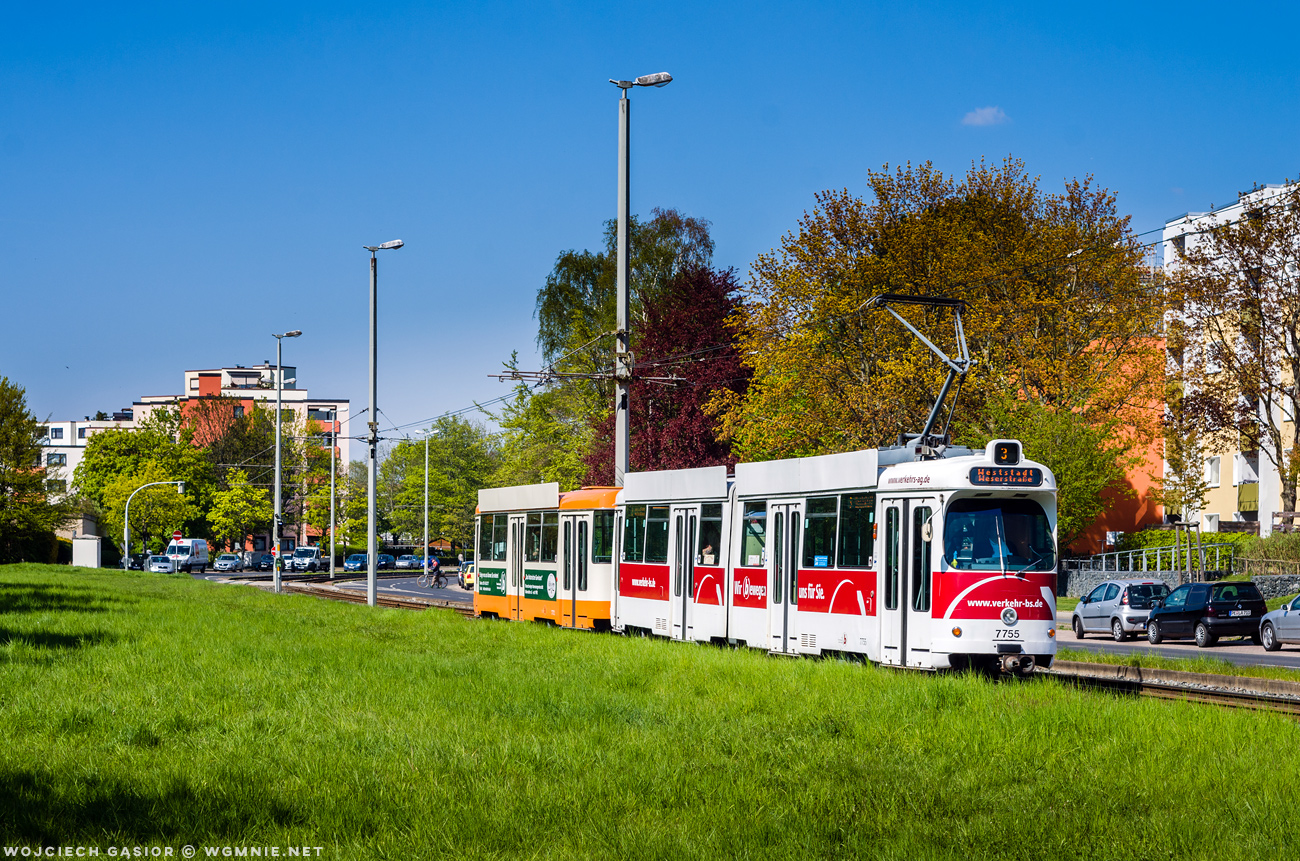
<point>81,433</point>
<point>194,383</point>
<point>239,411</point>
<point>56,459</point>
<point>55,433</point>
<point>55,485</point>
<point>320,414</point>
<point>1212,471</point>
<point>1211,523</point>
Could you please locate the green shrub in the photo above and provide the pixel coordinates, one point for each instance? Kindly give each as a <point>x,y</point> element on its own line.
<point>1165,538</point>
<point>1279,545</point>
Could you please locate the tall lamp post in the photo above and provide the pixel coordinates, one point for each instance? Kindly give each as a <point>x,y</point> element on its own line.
<point>334,442</point>
<point>622,353</point>
<point>126,516</point>
<point>372,550</point>
<point>277,525</point>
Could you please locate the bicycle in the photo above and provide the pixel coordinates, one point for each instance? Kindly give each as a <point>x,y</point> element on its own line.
<point>437,578</point>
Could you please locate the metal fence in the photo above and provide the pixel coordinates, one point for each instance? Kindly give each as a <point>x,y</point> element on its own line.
<point>1210,558</point>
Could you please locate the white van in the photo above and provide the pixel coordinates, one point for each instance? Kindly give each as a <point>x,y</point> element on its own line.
<point>306,559</point>
<point>188,554</point>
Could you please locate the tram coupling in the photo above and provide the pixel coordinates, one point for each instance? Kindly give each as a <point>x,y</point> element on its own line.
<point>1020,665</point>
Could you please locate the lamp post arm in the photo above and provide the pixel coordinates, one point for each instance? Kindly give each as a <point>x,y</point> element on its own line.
<point>126,517</point>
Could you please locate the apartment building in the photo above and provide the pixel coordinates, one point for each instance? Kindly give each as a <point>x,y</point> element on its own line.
<point>1244,486</point>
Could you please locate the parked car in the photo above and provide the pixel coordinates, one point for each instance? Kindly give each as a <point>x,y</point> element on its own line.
<point>1208,611</point>
<point>466,576</point>
<point>408,561</point>
<point>1118,606</point>
<point>305,559</point>
<point>136,561</point>
<point>266,562</point>
<point>161,565</point>
<point>188,554</point>
<point>228,562</point>
<point>385,561</point>
<point>1281,626</point>
<point>355,562</point>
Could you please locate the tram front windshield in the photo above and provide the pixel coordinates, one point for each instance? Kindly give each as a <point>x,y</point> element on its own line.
<point>997,535</point>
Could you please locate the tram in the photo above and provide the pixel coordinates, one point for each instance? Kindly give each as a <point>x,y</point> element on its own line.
<point>902,556</point>
<point>923,555</point>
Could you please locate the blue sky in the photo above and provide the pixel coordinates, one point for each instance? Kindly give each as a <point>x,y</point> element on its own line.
<point>177,182</point>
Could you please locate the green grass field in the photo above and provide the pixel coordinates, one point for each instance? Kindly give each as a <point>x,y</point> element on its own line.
<point>144,710</point>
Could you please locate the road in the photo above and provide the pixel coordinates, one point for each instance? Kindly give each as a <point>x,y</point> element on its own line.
<point>1234,651</point>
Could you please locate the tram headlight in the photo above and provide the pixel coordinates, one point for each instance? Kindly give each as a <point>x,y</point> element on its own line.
<point>956,632</point>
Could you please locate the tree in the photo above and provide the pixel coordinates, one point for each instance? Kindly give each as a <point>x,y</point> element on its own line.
<point>28,517</point>
<point>154,447</point>
<point>1236,335</point>
<point>1087,457</point>
<point>239,510</point>
<point>463,458</point>
<point>686,334</point>
<point>1060,310</point>
<point>1182,486</point>
<point>548,434</point>
<point>155,512</point>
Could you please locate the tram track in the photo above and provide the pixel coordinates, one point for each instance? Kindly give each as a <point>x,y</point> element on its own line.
<point>354,597</point>
<point>1241,692</point>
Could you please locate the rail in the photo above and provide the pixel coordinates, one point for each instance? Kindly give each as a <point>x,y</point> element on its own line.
<point>1233,691</point>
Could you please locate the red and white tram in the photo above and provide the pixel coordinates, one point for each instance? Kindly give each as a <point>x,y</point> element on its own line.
<point>947,561</point>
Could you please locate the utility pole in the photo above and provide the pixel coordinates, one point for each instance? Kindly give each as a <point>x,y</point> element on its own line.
<point>334,442</point>
<point>278,522</point>
<point>622,345</point>
<point>372,549</point>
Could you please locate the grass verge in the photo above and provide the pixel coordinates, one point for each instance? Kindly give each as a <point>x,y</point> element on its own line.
<point>159,711</point>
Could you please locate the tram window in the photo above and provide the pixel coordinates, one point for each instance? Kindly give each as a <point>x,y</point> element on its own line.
<point>568,555</point>
<point>550,535</point>
<point>921,570</point>
<point>533,537</point>
<point>500,529</point>
<point>754,536</point>
<point>998,534</point>
<point>656,534</point>
<point>582,556</point>
<point>634,533</point>
<point>710,534</point>
<point>819,532</point>
<point>891,558</point>
<point>485,536</point>
<point>857,530</point>
<point>602,537</point>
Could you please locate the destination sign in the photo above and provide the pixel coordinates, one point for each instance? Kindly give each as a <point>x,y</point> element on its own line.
<point>1012,476</point>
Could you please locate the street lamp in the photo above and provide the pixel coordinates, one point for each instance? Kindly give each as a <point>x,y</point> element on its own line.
<point>279,386</point>
<point>126,515</point>
<point>372,550</point>
<point>334,441</point>
<point>622,354</point>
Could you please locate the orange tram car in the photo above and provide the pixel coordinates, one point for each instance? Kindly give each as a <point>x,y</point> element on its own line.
<point>905,556</point>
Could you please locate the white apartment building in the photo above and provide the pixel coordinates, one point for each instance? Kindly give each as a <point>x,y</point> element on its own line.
<point>1244,485</point>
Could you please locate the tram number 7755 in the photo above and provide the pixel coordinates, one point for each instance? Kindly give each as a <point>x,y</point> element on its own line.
<point>1006,634</point>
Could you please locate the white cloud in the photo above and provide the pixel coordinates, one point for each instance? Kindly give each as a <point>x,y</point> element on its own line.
<point>990,116</point>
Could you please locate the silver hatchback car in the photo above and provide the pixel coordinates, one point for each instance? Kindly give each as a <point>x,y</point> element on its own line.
<point>1119,607</point>
<point>1280,626</point>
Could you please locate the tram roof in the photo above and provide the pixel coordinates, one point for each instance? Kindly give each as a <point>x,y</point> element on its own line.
<point>520,497</point>
<point>850,469</point>
<point>705,482</point>
<point>589,498</point>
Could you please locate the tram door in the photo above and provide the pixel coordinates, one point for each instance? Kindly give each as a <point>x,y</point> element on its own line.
<point>907,581</point>
<point>515,590</point>
<point>784,522</point>
<point>685,527</point>
<point>574,547</point>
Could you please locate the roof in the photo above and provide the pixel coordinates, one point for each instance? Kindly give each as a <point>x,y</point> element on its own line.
<point>589,497</point>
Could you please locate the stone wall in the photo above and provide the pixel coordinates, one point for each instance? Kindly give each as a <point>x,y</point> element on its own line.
<point>1277,585</point>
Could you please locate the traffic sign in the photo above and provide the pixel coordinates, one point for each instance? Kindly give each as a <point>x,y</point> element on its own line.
<point>176,536</point>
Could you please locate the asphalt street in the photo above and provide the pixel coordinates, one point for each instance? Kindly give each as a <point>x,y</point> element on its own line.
<point>1235,651</point>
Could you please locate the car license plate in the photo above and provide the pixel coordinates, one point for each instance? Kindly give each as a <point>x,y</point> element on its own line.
<point>1239,613</point>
